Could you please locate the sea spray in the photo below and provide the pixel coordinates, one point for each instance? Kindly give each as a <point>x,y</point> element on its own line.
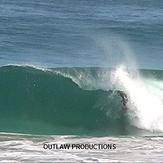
<point>146,105</point>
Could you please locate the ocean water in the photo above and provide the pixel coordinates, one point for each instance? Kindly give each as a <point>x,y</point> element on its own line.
<point>63,64</point>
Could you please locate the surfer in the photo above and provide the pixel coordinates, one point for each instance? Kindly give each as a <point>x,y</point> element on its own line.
<point>124,100</point>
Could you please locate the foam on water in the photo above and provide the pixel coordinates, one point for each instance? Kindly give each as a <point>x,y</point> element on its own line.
<point>145,99</point>
<point>29,148</point>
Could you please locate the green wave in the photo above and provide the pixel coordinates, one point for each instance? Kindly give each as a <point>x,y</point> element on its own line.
<point>46,102</point>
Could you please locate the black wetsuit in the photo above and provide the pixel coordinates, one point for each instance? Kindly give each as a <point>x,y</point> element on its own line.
<point>124,100</point>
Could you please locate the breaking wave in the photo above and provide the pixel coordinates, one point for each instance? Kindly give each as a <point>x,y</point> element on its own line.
<point>83,101</point>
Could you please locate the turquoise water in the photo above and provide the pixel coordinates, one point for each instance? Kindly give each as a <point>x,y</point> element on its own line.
<point>79,101</point>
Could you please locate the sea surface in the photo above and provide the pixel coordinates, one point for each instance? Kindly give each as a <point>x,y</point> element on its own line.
<point>81,72</point>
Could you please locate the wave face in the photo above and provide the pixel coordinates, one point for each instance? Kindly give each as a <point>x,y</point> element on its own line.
<point>62,101</point>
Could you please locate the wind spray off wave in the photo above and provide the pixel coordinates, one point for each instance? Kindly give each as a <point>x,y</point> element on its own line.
<point>145,103</point>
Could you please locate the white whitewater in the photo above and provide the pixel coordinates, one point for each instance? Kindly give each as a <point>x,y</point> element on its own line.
<point>145,99</point>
